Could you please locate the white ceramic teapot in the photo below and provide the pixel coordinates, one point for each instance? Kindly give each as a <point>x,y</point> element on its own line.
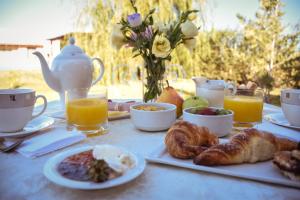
<point>212,90</point>
<point>71,69</point>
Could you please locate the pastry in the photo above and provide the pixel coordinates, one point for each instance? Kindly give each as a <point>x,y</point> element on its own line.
<point>249,146</point>
<point>288,163</point>
<point>185,140</point>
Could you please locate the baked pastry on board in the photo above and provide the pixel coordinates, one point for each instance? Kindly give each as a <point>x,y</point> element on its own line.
<point>288,162</point>
<point>249,146</point>
<point>185,140</point>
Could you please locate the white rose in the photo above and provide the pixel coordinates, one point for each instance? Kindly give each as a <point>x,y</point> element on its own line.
<point>162,27</point>
<point>161,46</point>
<point>189,29</point>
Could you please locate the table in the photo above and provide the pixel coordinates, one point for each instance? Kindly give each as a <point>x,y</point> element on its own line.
<point>22,178</point>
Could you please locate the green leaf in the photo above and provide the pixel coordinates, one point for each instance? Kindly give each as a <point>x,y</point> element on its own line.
<point>151,20</point>
<point>136,55</point>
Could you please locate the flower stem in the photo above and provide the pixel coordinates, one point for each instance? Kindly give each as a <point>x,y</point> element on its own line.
<point>155,69</point>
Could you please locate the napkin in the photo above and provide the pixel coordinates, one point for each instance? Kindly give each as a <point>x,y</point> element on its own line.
<point>50,141</point>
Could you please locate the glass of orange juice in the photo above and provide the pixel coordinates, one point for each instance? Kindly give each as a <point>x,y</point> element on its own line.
<point>87,111</point>
<point>247,106</point>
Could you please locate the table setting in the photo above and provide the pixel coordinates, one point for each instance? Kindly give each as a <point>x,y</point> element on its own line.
<point>221,142</point>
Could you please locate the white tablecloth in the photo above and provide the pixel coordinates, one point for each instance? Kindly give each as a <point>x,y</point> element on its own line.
<point>22,178</point>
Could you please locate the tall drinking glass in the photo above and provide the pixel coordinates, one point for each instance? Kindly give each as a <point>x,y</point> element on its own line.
<point>247,106</point>
<point>87,111</point>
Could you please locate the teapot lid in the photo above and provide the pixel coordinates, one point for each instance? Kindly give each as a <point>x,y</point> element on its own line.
<point>71,50</point>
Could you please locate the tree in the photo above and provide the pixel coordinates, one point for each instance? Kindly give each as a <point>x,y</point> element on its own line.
<point>264,42</point>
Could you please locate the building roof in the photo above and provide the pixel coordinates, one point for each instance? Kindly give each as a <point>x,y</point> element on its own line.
<point>60,37</point>
<point>10,47</point>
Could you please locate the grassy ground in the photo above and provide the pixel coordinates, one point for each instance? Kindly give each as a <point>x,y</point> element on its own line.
<point>26,79</point>
<point>131,89</point>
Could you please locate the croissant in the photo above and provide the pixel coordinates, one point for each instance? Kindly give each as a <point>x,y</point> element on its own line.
<point>249,146</point>
<point>185,140</point>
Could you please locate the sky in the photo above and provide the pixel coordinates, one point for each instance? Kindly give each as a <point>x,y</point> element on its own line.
<point>36,20</point>
<point>223,12</point>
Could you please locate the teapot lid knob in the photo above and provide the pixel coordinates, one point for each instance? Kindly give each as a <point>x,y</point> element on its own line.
<point>71,50</point>
<point>71,40</point>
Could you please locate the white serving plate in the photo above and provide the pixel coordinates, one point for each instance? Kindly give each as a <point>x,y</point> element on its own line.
<point>279,119</point>
<point>37,124</point>
<point>50,171</point>
<point>261,171</point>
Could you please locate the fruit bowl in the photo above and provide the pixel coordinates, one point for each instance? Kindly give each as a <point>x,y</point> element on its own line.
<point>217,120</point>
<point>145,117</point>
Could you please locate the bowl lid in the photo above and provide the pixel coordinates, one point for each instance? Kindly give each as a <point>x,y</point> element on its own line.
<point>290,96</point>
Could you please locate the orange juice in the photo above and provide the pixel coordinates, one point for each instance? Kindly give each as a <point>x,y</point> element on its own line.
<point>246,108</point>
<point>88,112</point>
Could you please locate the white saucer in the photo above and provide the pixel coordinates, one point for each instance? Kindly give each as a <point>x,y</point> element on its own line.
<point>50,171</point>
<point>34,125</point>
<point>279,119</point>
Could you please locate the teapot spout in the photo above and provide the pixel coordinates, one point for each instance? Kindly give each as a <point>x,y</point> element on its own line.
<point>199,80</point>
<point>52,81</point>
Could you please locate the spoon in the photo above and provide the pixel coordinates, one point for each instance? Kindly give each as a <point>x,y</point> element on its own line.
<point>7,149</point>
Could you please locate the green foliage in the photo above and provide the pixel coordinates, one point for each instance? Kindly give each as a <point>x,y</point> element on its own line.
<point>268,47</point>
<point>289,72</point>
<point>262,44</point>
<point>15,80</point>
<point>266,82</point>
<point>153,44</point>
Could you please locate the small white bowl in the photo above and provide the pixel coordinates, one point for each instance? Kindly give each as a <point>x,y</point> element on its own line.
<point>221,125</point>
<point>292,113</point>
<point>153,120</point>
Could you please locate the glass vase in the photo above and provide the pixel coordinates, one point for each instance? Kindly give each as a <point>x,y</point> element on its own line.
<point>153,78</point>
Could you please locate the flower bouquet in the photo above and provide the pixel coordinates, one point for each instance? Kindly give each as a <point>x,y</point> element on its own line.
<point>154,42</point>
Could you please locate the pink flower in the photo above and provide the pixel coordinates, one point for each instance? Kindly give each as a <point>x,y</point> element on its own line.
<point>148,33</point>
<point>134,19</point>
<point>133,36</point>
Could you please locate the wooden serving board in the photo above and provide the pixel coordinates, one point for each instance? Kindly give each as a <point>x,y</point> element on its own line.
<point>261,171</point>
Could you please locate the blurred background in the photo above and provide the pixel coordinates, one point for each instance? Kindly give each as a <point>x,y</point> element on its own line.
<point>241,41</point>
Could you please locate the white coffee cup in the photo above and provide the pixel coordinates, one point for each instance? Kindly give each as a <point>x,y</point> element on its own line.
<point>16,108</point>
<point>290,104</point>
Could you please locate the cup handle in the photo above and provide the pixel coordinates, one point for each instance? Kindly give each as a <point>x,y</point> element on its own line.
<point>45,105</point>
<point>101,70</point>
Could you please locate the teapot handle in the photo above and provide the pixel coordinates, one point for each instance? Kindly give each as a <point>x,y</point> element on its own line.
<point>101,70</point>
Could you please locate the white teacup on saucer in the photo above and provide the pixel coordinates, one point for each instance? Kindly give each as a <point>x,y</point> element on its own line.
<point>16,108</point>
<point>290,103</point>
